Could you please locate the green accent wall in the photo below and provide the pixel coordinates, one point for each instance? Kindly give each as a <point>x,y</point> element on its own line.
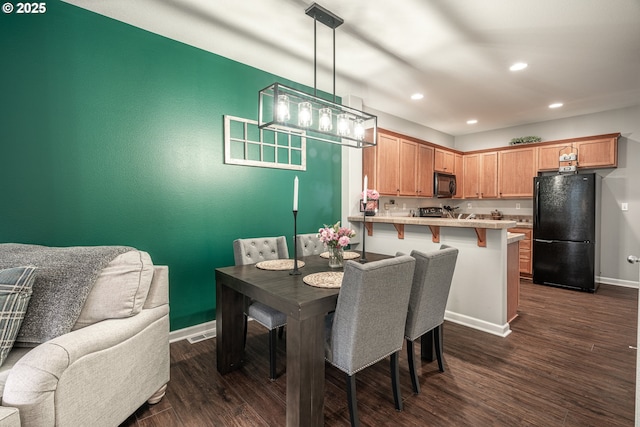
<point>111,135</point>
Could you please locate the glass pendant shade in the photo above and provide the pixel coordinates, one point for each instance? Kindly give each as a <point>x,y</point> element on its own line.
<point>358,129</point>
<point>282,109</point>
<point>325,124</point>
<point>343,125</point>
<point>305,114</point>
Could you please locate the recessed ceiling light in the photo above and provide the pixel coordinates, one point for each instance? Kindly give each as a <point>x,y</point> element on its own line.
<point>555,105</point>
<point>472,122</point>
<point>417,96</point>
<point>518,66</point>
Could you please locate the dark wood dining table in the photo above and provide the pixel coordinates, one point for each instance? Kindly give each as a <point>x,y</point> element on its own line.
<point>305,307</point>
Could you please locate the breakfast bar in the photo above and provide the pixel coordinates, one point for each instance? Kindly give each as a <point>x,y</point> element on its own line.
<point>480,295</point>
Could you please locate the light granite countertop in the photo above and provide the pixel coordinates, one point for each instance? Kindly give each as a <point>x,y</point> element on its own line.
<point>439,222</point>
<point>514,237</point>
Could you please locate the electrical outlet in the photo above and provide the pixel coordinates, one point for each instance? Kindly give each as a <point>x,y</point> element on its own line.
<point>625,206</point>
<point>517,205</point>
<point>468,205</point>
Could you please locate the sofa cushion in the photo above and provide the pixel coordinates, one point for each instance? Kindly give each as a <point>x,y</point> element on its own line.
<point>15,292</point>
<point>120,290</point>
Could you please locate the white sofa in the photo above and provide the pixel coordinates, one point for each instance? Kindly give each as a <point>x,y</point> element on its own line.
<point>114,360</point>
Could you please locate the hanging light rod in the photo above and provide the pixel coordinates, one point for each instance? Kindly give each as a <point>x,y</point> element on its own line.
<point>288,110</point>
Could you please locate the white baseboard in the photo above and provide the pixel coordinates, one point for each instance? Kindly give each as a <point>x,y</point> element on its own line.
<point>618,282</point>
<point>207,328</point>
<point>481,325</point>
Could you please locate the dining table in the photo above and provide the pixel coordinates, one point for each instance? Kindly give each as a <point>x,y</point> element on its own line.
<point>305,306</point>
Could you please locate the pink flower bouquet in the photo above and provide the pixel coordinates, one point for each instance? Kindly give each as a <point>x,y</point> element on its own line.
<point>335,235</point>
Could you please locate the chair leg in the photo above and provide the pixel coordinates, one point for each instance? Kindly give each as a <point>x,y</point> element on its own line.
<point>395,381</point>
<point>351,398</point>
<point>412,368</point>
<point>246,325</point>
<point>437,338</point>
<point>272,354</point>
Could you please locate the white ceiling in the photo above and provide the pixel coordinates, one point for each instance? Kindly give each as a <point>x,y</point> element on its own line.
<point>584,53</point>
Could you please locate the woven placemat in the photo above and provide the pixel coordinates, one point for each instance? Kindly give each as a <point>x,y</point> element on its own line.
<point>347,255</point>
<point>278,264</point>
<point>326,279</point>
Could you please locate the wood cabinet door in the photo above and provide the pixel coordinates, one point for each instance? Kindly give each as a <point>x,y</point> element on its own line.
<point>525,255</point>
<point>516,172</point>
<point>387,173</point>
<point>408,172</point>
<point>548,156</point>
<point>425,171</point>
<point>597,153</point>
<point>444,161</point>
<point>471,189</point>
<point>489,175</point>
<point>459,172</point>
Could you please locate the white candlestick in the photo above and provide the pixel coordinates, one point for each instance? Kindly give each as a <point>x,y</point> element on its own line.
<point>295,194</point>
<point>364,192</point>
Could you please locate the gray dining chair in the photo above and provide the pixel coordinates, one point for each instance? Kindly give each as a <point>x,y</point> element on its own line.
<point>252,251</point>
<point>429,295</point>
<point>368,323</point>
<point>309,244</point>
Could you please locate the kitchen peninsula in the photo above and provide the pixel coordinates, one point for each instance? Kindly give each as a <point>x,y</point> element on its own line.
<point>482,292</point>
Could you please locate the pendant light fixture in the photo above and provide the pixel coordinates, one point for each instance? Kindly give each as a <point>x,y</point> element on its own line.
<point>285,109</point>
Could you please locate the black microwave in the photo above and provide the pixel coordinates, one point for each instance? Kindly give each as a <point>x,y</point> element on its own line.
<point>444,184</point>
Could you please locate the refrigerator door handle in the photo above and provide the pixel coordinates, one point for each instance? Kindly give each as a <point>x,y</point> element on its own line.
<point>537,218</point>
<point>544,241</point>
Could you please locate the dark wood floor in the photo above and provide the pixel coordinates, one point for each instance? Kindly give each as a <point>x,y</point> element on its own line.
<point>568,362</point>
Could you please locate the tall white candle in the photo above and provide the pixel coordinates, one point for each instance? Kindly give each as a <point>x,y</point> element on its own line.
<point>364,191</point>
<point>295,194</point>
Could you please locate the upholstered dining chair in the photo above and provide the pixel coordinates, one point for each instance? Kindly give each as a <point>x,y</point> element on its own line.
<point>251,251</point>
<point>368,323</point>
<point>429,295</point>
<point>309,244</point>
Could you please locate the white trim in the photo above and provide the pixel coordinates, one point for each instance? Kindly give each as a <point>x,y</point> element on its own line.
<point>618,282</point>
<point>260,144</point>
<point>191,331</point>
<point>481,325</point>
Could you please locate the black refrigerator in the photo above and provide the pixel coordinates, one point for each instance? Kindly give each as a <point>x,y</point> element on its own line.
<point>566,231</point>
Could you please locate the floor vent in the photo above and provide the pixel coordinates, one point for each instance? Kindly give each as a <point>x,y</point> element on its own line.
<point>201,337</point>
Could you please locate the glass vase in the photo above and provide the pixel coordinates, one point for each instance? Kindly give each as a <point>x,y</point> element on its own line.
<point>336,257</point>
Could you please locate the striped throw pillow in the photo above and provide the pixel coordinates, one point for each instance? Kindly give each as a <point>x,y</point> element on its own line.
<point>15,293</point>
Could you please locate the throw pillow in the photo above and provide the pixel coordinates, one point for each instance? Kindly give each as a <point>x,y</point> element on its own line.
<point>15,293</point>
<point>120,290</point>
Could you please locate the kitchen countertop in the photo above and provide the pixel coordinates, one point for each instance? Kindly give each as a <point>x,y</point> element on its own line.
<point>439,222</point>
<point>514,237</point>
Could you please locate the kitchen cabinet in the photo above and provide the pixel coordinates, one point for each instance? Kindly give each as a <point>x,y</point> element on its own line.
<point>592,152</point>
<point>525,258</point>
<point>517,168</point>
<point>444,161</point>
<point>408,168</point>
<point>459,169</point>
<point>548,156</point>
<point>425,171</point>
<point>597,153</point>
<point>387,169</point>
<point>481,175</point>
<point>399,167</point>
